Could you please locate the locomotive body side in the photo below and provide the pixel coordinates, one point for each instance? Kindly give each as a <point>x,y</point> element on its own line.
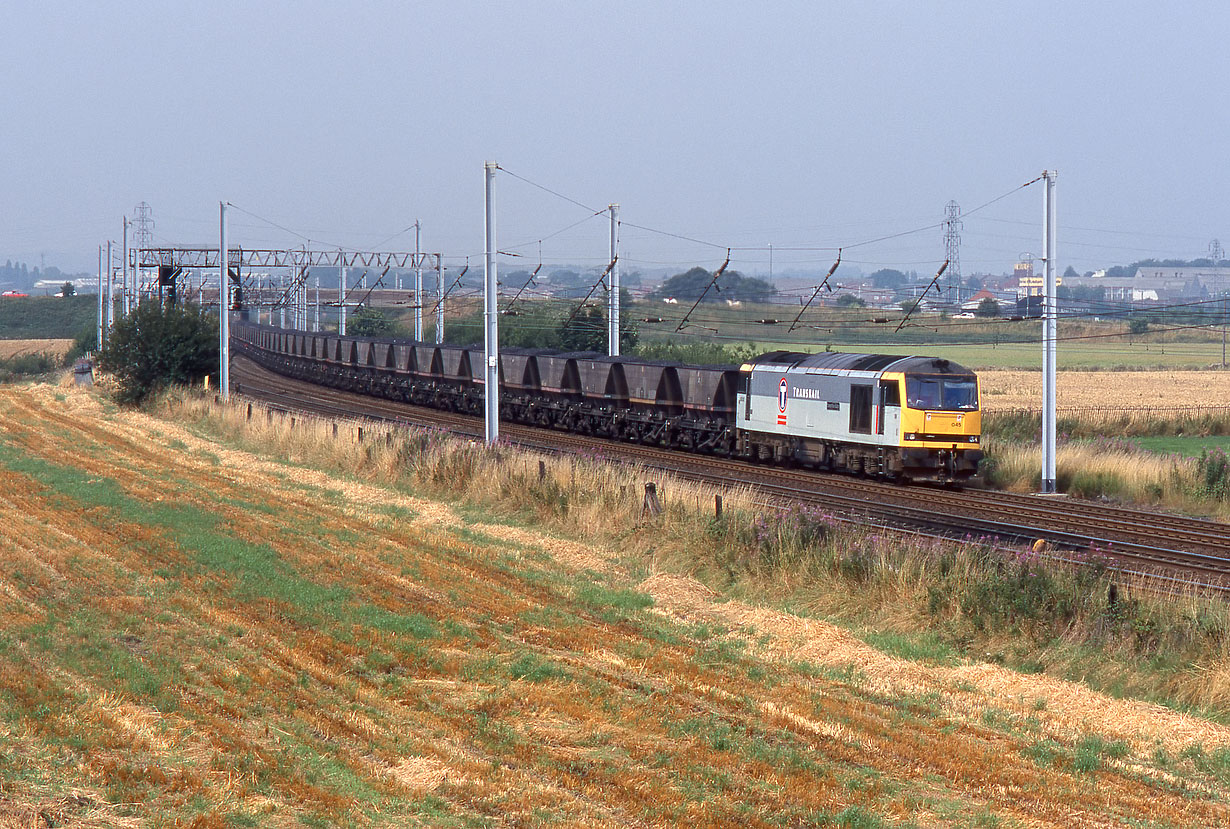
<point>855,413</point>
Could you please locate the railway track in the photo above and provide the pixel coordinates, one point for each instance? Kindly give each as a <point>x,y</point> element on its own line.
<point>1172,547</point>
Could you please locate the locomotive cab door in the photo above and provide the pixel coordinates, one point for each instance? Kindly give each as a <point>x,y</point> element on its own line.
<point>860,409</point>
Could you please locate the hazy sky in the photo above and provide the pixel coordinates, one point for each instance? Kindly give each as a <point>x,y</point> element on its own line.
<point>798,124</point>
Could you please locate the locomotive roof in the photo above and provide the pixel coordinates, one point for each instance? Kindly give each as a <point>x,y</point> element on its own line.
<point>847,361</point>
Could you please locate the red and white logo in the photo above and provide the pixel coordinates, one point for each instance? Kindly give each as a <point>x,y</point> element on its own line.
<point>782,389</point>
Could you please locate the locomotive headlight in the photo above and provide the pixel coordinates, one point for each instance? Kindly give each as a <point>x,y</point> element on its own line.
<point>973,438</point>
<point>911,436</point>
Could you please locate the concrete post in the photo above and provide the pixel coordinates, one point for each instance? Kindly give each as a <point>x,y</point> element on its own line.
<point>439,298</point>
<point>224,305</point>
<point>491,350</point>
<point>418,287</point>
<point>100,297</point>
<point>110,291</point>
<point>1049,329</point>
<point>612,315</point>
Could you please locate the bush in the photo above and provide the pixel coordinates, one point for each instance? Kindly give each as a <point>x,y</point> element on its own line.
<point>369,322</point>
<point>20,366</point>
<point>155,347</point>
<point>84,343</point>
<point>697,353</point>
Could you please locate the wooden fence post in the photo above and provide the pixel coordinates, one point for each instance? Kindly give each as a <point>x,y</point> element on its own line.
<point>651,504</point>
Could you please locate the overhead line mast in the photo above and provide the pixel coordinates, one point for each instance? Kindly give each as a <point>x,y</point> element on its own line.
<point>613,307</point>
<point>491,341</point>
<point>1048,334</point>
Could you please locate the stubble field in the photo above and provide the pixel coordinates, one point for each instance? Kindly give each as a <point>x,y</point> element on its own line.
<point>14,348</point>
<point>1005,390</point>
<point>196,634</point>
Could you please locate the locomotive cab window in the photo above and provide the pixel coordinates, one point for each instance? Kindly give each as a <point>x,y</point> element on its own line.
<point>961,395</point>
<point>891,392</point>
<point>950,394</point>
<point>860,409</point>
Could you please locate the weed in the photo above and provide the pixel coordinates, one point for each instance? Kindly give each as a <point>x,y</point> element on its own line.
<point>532,668</point>
<point>1092,749</point>
<point>855,817</point>
<point>927,646</point>
<point>1047,753</point>
<point>612,604</point>
<point>1213,469</point>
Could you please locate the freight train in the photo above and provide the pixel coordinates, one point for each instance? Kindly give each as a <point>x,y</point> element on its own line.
<point>884,416</point>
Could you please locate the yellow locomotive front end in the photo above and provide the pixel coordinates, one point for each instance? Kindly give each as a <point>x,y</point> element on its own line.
<point>941,422</point>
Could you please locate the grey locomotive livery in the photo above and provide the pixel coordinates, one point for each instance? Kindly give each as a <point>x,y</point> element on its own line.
<point>844,411</point>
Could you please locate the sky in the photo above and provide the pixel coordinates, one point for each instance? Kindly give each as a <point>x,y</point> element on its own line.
<point>802,125</point>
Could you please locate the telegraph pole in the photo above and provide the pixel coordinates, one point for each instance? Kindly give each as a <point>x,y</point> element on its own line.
<point>439,298</point>
<point>1048,334</point>
<point>491,342</point>
<point>224,304</point>
<point>418,287</point>
<point>612,315</point>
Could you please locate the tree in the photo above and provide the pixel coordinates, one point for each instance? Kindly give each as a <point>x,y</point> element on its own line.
<point>584,332</point>
<point>68,289</point>
<point>849,301</point>
<point>155,347</point>
<point>587,331</point>
<point>731,285</point>
<point>989,307</point>
<point>368,322</point>
<point>1070,272</point>
<point>889,278</point>
<point>566,283</point>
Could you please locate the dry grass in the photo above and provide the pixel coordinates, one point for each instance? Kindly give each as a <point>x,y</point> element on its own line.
<point>774,555</point>
<point>416,631</point>
<point>1103,468</point>
<point>13,348</point>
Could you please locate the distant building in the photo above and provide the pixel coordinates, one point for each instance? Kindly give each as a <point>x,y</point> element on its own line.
<point>1195,281</point>
<point>1028,283</point>
<point>977,299</point>
<point>1154,284</point>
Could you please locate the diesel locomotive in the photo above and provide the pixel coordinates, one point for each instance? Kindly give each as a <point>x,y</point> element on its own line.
<point>884,416</point>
